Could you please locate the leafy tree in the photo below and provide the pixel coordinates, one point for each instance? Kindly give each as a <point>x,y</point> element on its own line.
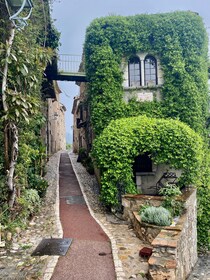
<point>23,59</point>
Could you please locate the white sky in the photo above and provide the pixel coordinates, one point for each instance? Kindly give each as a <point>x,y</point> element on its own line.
<point>72,17</point>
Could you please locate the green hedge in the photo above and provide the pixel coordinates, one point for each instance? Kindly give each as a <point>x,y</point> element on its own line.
<point>166,141</point>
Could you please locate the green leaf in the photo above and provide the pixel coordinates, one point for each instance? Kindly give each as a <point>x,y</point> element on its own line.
<point>17,112</point>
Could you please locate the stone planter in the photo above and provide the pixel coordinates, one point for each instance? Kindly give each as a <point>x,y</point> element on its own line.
<point>144,231</point>
<point>148,232</point>
<point>174,247</point>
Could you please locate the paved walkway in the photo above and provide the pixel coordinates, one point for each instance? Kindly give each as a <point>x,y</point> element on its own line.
<point>89,256</point>
<point>16,262</point>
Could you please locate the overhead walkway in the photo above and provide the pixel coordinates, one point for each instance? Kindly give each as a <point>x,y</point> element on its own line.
<point>66,67</point>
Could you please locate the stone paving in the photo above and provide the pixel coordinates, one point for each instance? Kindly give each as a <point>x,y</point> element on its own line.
<point>125,244</point>
<point>16,262</point>
<point>202,269</point>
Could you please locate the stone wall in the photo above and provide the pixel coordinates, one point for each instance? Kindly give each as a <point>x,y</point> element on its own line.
<point>54,131</point>
<point>146,182</point>
<point>56,126</point>
<point>80,115</point>
<point>175,247</point>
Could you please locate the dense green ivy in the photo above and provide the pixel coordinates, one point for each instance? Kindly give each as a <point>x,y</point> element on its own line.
<point>32,49</point>
<point>179,41</point>
<point>166,141</point>
<point>203,217</point>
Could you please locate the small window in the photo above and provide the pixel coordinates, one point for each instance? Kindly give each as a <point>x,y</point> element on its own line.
<point>150,71</point>
<point>142,163</point>
<point>81,112</point>
<point>134,71</point>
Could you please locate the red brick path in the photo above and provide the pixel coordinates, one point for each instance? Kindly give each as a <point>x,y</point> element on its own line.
<point>83,260</point>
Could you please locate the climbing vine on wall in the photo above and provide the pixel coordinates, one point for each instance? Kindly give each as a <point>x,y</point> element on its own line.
<point>182,54</point>
<point>179,41</point>
<point>24,111</point>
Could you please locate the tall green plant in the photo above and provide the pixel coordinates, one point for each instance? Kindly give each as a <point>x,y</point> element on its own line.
<point>22,57</point>
<point>166,141</point>
<point>170,192</point>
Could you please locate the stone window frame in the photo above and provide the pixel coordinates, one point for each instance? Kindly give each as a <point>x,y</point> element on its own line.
<point>150,65</point>
<point>142,57</point>
<point>134,71</point>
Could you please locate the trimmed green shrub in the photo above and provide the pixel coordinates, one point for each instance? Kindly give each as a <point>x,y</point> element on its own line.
<point>166,141</point>
<point>159,216</point>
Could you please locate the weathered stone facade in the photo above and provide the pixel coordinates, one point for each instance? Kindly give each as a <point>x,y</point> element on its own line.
<point>147,91</point>
<point>82,131</point>
<point>174,247</point>
<point>54,132</point>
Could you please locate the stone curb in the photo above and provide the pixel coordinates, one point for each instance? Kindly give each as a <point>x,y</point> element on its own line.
<point>117,262</point>
<point>52,260</point>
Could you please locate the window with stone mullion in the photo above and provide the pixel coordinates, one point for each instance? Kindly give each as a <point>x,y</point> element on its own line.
<point>150,70</point>
<point>134,70</point>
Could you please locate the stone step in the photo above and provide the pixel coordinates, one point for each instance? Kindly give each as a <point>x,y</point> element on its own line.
<point>166,239</point>
<point>166,263</point>
<point>161,268</point>
<point>164,251</point>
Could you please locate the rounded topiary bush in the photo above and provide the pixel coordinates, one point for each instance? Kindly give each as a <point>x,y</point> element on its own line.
<point>159,216</point>
<point>165,140</point>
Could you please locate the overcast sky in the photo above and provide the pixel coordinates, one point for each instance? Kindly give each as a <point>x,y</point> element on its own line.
<point>72,17</point>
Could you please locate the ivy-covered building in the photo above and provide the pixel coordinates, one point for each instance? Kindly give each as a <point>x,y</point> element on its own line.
<point>144,110</point>
<point>152,65</point>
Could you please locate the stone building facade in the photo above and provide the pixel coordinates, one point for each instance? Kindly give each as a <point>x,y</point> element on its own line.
<point>82,131</point>
<point>142,81</point>
<point>54,133</point>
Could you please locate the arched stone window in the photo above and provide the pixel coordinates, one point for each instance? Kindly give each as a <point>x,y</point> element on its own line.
<point>150,71</point>
<point>134,71</point>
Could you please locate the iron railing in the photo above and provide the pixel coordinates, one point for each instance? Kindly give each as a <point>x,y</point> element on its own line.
<point>68,63</point>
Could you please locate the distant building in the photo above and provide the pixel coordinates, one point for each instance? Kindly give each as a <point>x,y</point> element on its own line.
<point>80,121</point>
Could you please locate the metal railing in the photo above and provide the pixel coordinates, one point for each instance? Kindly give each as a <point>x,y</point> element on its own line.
<point>68,63</point>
